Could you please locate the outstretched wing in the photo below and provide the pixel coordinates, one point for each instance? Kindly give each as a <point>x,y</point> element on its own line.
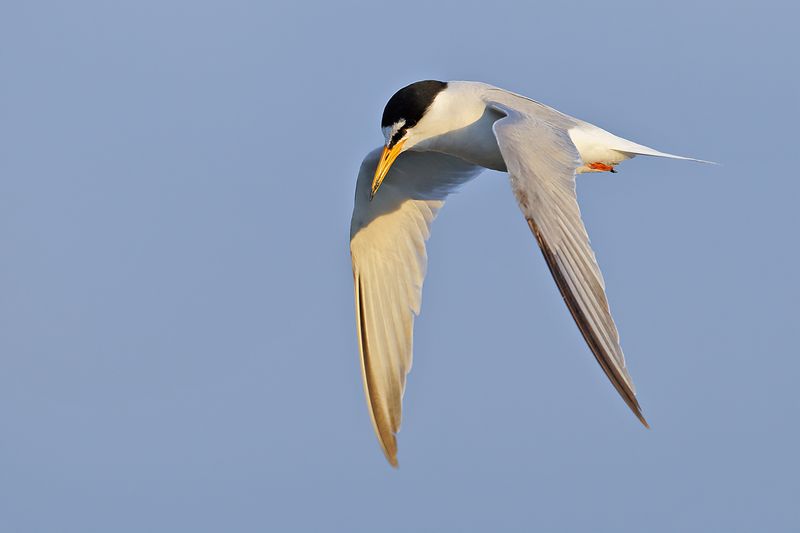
<point>541,160</point>
<point>387,246</point>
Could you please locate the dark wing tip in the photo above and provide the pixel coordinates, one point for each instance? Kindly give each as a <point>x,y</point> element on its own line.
<point>386,437</point>
<point>637,410</point>
<point>614,375</point>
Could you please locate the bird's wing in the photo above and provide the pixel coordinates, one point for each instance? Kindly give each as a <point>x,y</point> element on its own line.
<point>541,161</point>
<point>387,246</point>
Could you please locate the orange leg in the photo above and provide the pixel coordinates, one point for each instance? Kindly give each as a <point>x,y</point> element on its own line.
<point>601,166</point>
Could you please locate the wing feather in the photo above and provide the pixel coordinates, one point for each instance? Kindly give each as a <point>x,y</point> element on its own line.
<point>542,160</point>
<point>387,247</point>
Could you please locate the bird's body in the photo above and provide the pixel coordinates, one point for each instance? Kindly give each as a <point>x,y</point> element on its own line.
<point>439,136</point>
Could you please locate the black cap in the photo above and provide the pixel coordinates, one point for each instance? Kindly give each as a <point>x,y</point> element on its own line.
<point>410,103</point>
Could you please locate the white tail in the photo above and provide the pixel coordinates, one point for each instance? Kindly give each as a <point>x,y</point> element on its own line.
<point>594,143</point>
<point>631,148</point>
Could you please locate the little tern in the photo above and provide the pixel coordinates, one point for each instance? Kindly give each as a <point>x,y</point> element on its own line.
<point>439,135</point>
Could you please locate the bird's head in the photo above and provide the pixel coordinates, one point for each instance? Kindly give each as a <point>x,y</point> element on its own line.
<point>403,112</point>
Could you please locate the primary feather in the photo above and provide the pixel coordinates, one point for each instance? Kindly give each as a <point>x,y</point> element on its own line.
<point>387,246</point>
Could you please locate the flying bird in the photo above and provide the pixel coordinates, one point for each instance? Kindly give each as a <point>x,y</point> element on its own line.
<point>439,135</point>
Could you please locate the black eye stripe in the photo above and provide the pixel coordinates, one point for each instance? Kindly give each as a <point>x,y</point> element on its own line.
<point>397,136</point>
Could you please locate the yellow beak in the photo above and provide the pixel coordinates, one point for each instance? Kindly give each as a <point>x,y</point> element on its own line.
<point>387,158</point>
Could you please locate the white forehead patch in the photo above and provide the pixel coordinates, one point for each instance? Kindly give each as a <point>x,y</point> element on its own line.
<point>389,131</point>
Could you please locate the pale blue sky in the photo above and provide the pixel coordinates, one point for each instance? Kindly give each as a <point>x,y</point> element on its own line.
<point>177,347</point>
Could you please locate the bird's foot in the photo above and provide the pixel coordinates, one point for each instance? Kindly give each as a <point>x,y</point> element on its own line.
<point>602,167</point>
